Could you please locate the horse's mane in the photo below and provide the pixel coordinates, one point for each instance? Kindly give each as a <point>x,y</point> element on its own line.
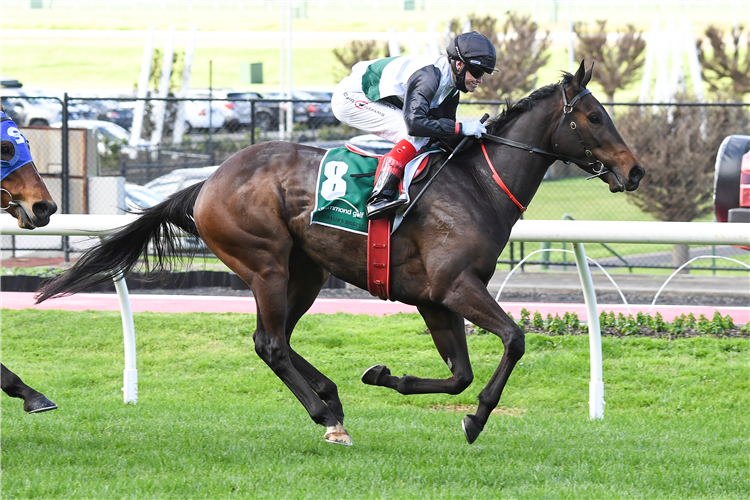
<point>494,125</point>
<point>511,112</point>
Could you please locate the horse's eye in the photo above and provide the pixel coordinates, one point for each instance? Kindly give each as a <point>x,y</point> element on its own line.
<point>594,118</point>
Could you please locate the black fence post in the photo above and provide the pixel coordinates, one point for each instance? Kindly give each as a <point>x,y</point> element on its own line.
<point>65,180</point>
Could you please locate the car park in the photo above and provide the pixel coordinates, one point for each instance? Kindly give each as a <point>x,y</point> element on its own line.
<point>299,109</point>
<point>230,116</point>
<point>266,113</point>
<point>138,197</point>
<point>179,179</point>
<point>110,135</point>
<point>198,114</point>
<point>320,113</point>
<point>314,114</point>
<point>118,112</point>
<point>30,110</point>
<point>7,82</point>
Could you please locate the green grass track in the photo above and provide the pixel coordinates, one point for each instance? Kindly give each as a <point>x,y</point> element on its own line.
<point>212,420</point>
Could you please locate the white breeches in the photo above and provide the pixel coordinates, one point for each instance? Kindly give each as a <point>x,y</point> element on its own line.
<point>351,106</point>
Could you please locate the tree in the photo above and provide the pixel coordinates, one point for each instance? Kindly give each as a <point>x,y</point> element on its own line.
<point>154,79</point>
<point>726,70</point>
<point>679,155</point>
<point>354,52</point>
<point>616,66</point>
<point>519,54</point>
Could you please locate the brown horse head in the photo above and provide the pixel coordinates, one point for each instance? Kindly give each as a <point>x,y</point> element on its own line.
<point>586,127</point>
<point>22,192</point>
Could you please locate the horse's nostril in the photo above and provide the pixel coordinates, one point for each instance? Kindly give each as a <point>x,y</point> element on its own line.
<point>42,209</point>
<point>636,174</point>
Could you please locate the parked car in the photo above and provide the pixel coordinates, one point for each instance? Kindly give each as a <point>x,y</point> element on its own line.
<point>179,179</point>
<point>32,111</point>
<point>9,83</point>
<point>118,112</point>
<point>299,108</point>
<point>110,136</point>
<point>230,116</point>
<point>139,197</point>
<point>266,113</point>
<point>320,113</point>
<point>197,116</point>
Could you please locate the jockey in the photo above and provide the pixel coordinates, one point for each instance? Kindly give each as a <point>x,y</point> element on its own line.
<point>409,100</point>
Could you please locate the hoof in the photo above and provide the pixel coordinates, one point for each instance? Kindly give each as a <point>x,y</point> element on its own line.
<point>374,374</point>
<point>338,435</point>
<point>38,404</point>
<point>471,428</point>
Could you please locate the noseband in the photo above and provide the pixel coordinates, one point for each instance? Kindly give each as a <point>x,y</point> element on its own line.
<point>596,166</point>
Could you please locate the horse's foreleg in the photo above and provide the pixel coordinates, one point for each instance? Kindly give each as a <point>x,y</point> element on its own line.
<point>33,400</point>
<point>447,329</point>
<point>474,303</point>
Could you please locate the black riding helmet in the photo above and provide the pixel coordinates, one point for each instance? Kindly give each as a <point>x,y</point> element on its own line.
<point>476,52</point>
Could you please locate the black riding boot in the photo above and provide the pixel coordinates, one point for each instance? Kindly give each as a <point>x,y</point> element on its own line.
<point>384,200</point>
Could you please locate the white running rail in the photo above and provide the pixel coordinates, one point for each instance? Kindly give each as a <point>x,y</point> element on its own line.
<point>569,231</point>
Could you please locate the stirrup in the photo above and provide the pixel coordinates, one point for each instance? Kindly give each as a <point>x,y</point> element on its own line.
<point>383,208</point>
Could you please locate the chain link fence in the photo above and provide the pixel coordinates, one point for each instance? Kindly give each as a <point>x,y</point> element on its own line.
<point>84,151</point>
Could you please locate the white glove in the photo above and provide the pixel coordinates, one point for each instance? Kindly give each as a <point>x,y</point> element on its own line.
<point>475,128</point>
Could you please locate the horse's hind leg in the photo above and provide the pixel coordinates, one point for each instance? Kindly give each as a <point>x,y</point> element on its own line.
<point>306,278</point>
<point>448,334</point>
<point>33,400</point>
<point>267,273</point>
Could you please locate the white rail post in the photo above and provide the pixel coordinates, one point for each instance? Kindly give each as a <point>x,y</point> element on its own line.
<point>130,373</point>
<point>596,386</point>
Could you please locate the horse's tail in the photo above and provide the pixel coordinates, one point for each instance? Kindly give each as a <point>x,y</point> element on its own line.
<point>160,225</point>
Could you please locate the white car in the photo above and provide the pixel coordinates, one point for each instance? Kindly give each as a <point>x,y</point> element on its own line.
<point>139,197</point>
<point>234,113</point>
<point>30,110</point>
<point>109,135</point>
<point>179,179</point>
<point>198,113</point>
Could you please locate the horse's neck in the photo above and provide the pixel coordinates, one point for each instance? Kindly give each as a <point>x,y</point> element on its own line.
<point>521,171</point>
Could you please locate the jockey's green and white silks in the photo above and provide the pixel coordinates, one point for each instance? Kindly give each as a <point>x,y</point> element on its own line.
<point>9,132</point>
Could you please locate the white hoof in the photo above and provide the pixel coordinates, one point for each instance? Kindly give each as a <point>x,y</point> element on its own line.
<point>337,435</point>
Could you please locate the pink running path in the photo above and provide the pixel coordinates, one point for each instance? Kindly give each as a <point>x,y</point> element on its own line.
<point>373,307</point>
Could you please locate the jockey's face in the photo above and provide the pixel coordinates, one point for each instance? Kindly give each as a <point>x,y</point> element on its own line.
<point>471,82</point>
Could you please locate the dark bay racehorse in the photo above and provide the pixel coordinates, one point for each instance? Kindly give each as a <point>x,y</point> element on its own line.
<point>254,214</point>
<point>24,196</point>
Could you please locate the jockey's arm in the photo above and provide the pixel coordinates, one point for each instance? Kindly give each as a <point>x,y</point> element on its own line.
<point>420,120</point>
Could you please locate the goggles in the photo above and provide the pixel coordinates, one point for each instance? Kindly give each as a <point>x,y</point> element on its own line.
<point>475,71</point>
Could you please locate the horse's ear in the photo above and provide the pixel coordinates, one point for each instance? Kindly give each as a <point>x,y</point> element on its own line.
<point>587,75</point>
<point>580,76</point>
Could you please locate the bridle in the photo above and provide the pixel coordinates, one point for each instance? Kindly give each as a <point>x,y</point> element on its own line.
<point>595,166</point>
<point>11,203</point>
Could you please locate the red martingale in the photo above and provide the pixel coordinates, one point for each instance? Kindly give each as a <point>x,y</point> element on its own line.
<point>379,257</point>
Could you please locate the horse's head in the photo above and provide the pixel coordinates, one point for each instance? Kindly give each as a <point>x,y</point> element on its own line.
<point>585,131</point>
<point>23,193</point>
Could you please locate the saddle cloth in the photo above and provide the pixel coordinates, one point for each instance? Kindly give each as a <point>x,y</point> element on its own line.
<point>345,182</point>
<point>346,177</point>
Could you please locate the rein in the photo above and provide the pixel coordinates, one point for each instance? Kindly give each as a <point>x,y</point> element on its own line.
<point>567,109</point>
<point>500,182</point>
